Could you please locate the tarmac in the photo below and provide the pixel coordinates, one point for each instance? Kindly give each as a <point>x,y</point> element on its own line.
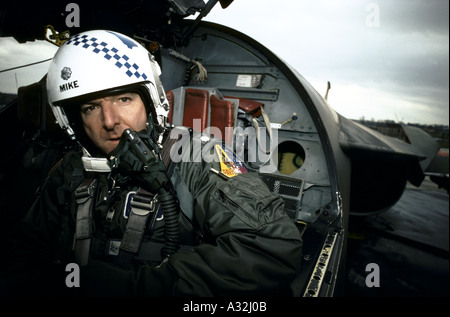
<point>404,251</point>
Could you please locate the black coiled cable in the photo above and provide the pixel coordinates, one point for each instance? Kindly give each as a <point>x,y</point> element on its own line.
<point>172,230</point>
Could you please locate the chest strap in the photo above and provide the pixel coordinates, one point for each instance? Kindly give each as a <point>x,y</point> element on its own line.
<point>83,229</point>
<point>143,206</point>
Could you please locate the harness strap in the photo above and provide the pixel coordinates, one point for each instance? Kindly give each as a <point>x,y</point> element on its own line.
<point>184,196</point>
<point>149,251</point>
<point>143,205</point>
<point>83,229</point>
<point>185,199</point>
<point>169,141</point>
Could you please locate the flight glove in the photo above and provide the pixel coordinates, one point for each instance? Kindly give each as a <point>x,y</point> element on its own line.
<point>137,156</point>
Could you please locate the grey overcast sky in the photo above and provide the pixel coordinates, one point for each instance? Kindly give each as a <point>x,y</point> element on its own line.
<point>385,59</point>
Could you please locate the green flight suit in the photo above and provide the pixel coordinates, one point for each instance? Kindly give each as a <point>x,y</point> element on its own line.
<point>242,242</point>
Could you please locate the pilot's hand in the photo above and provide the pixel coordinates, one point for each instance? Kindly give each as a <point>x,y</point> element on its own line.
<point>137,156</point>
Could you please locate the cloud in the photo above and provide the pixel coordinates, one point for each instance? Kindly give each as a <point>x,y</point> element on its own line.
<point>420,16</point>
<point>356,102</point>
<point>401,60</point>
<point>404,58</point>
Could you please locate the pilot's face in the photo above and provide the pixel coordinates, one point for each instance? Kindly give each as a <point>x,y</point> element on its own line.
<point>105,119</point>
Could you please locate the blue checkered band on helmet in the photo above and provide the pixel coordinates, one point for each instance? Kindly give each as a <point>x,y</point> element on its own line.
<point>110,53</point>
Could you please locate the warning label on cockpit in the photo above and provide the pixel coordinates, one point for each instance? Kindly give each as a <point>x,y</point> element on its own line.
<point>248,81</point>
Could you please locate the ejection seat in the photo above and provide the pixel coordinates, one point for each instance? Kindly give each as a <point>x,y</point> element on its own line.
<point>201,109</point>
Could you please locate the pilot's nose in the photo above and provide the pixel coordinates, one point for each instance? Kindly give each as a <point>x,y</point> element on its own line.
<point>110,116</point>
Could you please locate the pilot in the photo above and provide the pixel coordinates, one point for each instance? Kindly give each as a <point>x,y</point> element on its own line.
<point>119,216</point>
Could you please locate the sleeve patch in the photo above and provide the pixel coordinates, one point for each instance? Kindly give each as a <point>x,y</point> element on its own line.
<point>230,165</point>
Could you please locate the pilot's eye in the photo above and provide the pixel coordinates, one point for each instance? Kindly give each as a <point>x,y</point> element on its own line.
<point>89,109</point>
<point>124,99</point>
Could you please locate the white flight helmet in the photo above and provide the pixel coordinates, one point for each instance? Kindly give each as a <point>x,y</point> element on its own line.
<point>98,62</point>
